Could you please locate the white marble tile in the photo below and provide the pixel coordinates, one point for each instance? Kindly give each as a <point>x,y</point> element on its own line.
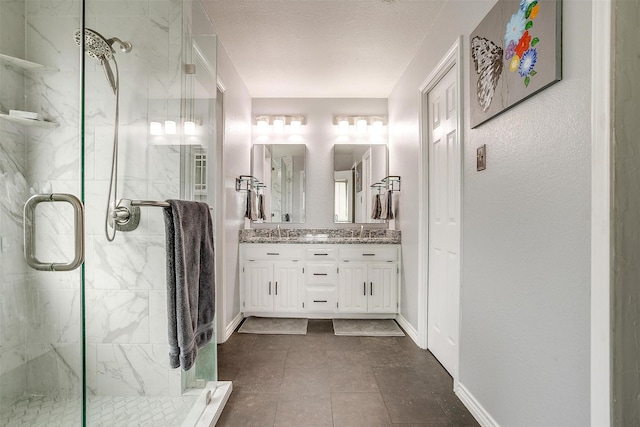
<point>12,28</point>
<point>129,8</point>
<point>133,162</point>
<point>70,8</point>
<point>50,41</point>
<point>12,83</point>
<point>53,155</point>
<point>54,316</point>
<point>131,369</point>
<point>130,262</point>
<point>69,368</point>
<point>90,153</point>
<point>91,370</point>
<point>158,332</point>
<point>149,37</point>
<point>117,316</point>
<point>164,163</point>
<point>174,382</point>
<point>95,208</point>
<point>11,358</point>
<point>100,100</point>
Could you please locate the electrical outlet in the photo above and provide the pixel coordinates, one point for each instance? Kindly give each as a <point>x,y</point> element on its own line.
<point>481,158</point>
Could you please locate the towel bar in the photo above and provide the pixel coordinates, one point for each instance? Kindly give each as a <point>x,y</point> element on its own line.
<point>154,203</point>
<point>126,215</point>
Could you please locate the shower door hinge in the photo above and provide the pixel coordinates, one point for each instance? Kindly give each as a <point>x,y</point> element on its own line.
<point>189,68</point>
<point>302,305</point>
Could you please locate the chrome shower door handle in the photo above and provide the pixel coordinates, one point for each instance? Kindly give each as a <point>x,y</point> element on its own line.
<point>30,232</point>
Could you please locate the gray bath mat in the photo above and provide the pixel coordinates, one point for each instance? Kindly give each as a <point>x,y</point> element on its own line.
<point>367,327</point>
<point>274,326</point>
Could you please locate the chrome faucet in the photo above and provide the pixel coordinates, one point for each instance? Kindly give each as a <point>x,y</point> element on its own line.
<point>361,231</point>
<point>279,235</point>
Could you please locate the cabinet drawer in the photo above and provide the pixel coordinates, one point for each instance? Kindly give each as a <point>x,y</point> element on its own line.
<point>272,252</point>
<point>321,299</point>
<point>321,254</point>
<point>369,254</point>
<point>321,274</point>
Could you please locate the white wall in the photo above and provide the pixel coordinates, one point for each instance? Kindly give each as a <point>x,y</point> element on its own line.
<point>319,135</point>
<point>236,161</point>
<point>524,345</point>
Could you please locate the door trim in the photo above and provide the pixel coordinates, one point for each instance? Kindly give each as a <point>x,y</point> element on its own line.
<point>601,179</point>
<point>453,58</point>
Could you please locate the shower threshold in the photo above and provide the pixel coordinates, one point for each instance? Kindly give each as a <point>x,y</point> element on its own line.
<point>112,411</point>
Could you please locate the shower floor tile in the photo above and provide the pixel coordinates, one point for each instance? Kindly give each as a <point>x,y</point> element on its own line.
<point>112,411</point>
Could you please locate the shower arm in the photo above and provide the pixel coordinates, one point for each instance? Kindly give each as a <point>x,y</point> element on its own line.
<point>124,46</point>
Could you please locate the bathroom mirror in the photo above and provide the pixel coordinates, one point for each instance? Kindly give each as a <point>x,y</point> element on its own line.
<point>281,168</point>
<point>356,167</point>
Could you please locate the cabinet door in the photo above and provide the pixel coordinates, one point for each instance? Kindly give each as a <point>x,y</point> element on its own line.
<point>352,288</point>
<point>287,287</point>
<point>383,288</point>
<point>258,286</point>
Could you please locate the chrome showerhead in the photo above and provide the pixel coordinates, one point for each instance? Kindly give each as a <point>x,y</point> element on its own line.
<point>101,49</point>
<point>95,44</point>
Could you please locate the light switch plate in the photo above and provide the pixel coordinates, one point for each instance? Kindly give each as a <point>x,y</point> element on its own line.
<point>481,158</point>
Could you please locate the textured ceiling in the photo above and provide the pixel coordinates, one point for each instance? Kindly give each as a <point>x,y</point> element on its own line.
<point>321,48</point>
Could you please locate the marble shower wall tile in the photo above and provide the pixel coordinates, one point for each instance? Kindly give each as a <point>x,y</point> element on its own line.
<point>117,316</point>
<point>50,41</point>
<point>56,371</point>
<point>12,13</point>
<point>158,333</point>
<point>132,369</point>
<point>54,316</point>
<point>129,263</point>
<point>70,8</point>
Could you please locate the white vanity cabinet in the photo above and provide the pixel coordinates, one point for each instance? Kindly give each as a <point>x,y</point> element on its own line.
<point>272,279</point>
<point>368,279</point>
<point>319,280</point>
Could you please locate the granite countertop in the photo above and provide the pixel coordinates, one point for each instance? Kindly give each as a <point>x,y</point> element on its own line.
<point>320,236</point>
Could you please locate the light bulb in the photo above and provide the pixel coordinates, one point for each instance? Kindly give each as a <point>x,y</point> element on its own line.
<point>189,128</point>
<point>170,127</point>
<point>278,125</point>
<point>377,125</point>
<point>155,128</point>
<point>343,125</point>
<point>361,126</point>
<point>296,125</point>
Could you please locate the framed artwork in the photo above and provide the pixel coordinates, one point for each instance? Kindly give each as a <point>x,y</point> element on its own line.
<point>515,53</point>
<point>359,177</point>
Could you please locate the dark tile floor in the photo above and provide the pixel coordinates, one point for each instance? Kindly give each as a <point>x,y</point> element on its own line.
<point>320,379</point>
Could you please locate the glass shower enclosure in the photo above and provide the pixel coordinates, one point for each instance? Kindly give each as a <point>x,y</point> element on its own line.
<point>83,313</point>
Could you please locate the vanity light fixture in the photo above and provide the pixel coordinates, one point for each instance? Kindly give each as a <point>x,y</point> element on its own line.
<point>171,127</point>
<point>361,124</point>
<point>280,123</point>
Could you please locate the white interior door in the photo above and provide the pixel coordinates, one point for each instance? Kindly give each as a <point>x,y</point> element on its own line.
<point>444,223</point>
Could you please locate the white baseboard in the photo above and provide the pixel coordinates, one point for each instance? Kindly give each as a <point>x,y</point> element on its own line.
<point>231,327</point>
<point>476,409</point>
<point>408,328</point>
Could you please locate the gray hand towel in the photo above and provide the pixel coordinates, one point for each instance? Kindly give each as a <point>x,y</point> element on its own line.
<point>376,209</point>
<point>190,280</point>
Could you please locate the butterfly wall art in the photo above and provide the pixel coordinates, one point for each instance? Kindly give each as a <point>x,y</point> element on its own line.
<point>515,53</point>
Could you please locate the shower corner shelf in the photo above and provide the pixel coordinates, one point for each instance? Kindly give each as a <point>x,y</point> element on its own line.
<point>24,64</point>
<point>29,122</point>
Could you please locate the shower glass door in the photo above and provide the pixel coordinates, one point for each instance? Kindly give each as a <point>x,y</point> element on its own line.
<point>89,346</point>
<point>41,342</point>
